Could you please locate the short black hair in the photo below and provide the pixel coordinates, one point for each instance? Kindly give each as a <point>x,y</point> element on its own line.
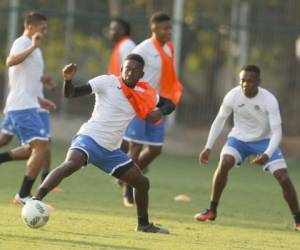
<point>252,68</point>
<point>158,17</point>
<point>135,57</point>
<point>33,18</point>
<point>125,25</point>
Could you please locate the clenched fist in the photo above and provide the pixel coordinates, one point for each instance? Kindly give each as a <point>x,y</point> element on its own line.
<point>69,71</point>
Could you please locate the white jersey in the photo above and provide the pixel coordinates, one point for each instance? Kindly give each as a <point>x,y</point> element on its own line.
<point>153,64</point>
<point>112,113</point>
<point>25,78</point>
<point>253,117</point>
<point>125,48</point>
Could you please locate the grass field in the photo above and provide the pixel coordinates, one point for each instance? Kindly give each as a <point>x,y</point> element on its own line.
<point>89,214</point>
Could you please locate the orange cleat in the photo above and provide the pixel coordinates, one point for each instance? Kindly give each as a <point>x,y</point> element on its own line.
<point>297,227</point>
<point>206,215</point>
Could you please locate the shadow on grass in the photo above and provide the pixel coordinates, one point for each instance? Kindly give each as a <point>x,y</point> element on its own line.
<point>81,243</point>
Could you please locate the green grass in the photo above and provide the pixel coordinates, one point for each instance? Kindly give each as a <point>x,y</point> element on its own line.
<point>89,213</point>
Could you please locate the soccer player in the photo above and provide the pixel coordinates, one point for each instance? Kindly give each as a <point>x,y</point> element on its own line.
<point>256,131</point>
<point>158,53</point>
<point>7,131</point>
<point>119,34</point>
<point>118,100</point>
<point>26,68</point>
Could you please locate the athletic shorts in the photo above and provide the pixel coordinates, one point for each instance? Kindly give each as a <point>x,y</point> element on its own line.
<point>240,150</point>
<point>144,132</point>
<point>114,163</point>
<point>7,126</point>
<point>30,124</point>
<point>45,116</point>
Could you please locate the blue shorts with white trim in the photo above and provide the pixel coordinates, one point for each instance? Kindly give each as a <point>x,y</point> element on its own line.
<point>111,162</point>
<point>29,125</point>
<point>7,126</point>
<point>241,150</point>
<point>144,132</point>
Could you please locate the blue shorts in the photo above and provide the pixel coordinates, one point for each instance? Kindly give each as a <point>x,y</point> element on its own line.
<point>7,126</point>
<point>29,125</point>
<point>45,116</point>
<point>144,132</point>
<point>113,163</point>
<point>240,150</point>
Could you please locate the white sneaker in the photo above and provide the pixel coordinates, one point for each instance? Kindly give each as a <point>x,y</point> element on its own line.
<point>21,201</point>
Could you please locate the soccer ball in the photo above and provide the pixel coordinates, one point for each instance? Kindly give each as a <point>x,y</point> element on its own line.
<point>35,213</point>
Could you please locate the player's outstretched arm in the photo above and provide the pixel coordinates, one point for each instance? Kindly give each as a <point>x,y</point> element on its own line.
<point>69,90</point>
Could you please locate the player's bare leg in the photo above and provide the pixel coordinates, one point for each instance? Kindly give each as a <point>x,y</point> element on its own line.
<point>75,159</point>
<point>289,194</point>
<point>134,152</point>
<point>40,151</point>
<point>125,148</point>
<point>141,185</point>
<point>5,139</point>
<point>218,185</point>
<point>148,154</point>
<point>20,153</point>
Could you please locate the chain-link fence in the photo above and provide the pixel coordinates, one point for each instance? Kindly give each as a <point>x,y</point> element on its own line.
<point>218,37</point>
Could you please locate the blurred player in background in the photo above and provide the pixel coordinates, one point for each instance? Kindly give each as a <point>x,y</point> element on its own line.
<point>119,34</point>
<point>118,100</point>
<point>158,54</point>
<point>23,152</point>
<point>256,131</point>
<point>26,68</point>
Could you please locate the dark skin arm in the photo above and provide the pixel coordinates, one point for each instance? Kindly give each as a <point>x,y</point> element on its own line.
<point>69,90</point>
<point>165,107</point>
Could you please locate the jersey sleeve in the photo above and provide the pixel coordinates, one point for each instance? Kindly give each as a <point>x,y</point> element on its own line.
<point>275,126</point>
<point>227,106</point>
<point>18,46</point>
<point>274,112</point>
<point>99,83</point>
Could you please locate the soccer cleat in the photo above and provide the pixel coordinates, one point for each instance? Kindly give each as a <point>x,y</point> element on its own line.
<point>21,201</point>
<point>297,227</point>
<point>151,228</point>
<point>206,215</point>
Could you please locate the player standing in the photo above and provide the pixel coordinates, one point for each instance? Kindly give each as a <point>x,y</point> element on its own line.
<point>256,131</point>
<point>26,68</point>
<point>158,54</point>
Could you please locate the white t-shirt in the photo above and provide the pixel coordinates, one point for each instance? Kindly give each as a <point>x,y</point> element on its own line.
<point>125,48</point>
<point>112,113</point>
<point>153,62</point>
<point>25,78</point>
<point>253,117</point>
